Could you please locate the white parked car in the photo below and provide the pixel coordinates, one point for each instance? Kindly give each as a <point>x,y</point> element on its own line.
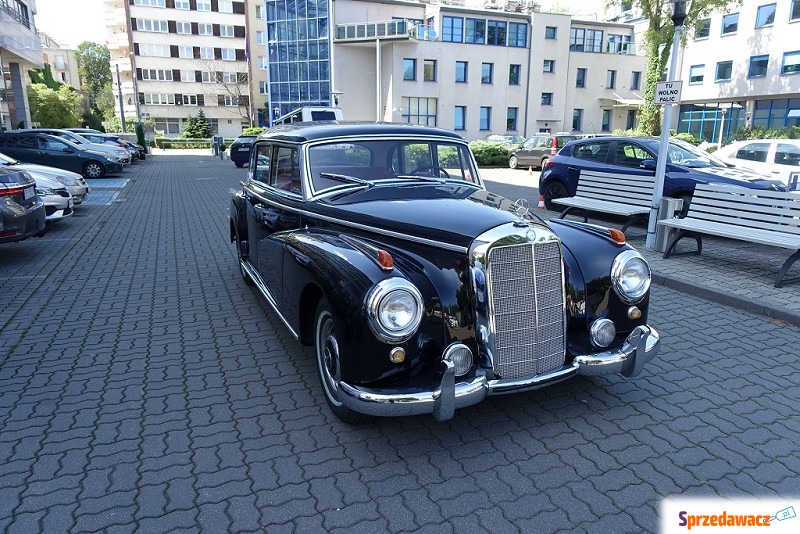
<point>776,158</point>
<point>73,181</point>
<point>57,200</point>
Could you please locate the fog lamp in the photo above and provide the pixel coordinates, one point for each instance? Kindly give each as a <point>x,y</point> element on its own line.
<point>461,357</point>
<point>397,355</point>
<point>602,332</point>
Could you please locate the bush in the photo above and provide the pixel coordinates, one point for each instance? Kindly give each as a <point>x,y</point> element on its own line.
<point>253,131</point>
<point>172,142</point>
<point>759,132</point>
<point>689,138</point>
<point>488,154</point>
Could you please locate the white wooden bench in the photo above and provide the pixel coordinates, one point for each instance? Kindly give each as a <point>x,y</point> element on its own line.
<point>765,217</point>
<point>627,195</point>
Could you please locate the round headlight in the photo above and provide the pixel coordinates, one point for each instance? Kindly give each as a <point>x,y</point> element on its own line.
<point>461,357</point>
<point>630,276</point>
<point>602,332</point>
<point>394,309</point>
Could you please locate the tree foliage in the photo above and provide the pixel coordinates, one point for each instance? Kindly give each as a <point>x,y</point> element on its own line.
<point>44,76</point>
<point>94,68</point>
<point>197,127</point>
<point>658,40</point>
<point>51,108</point>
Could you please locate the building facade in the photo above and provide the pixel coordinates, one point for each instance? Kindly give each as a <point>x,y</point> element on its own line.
<point>176,57</point>
<point>63,62</point>
<point>20,50</point>
<point>257,41</point>
<point>742,68</point>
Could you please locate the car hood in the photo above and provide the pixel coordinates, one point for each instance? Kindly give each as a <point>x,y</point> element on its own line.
<point>453,214</point>
<point>44,170</point>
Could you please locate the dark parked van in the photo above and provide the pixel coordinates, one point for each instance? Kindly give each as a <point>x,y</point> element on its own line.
<point>44,149</point>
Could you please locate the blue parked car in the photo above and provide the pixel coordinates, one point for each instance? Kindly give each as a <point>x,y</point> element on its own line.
<point>687,166</point>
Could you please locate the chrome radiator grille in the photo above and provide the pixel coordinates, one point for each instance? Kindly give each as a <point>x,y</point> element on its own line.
<point>527,299</point>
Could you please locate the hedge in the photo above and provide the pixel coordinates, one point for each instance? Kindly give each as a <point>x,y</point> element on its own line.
<point>176,142</point>
<point>487,153</point>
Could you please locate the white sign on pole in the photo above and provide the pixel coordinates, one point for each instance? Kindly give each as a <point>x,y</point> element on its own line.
<point>668,93</point>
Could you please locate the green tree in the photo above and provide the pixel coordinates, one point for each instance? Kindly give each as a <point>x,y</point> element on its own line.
<point>51,108</point>
<point>94,68</point>
<point>658,39</point>
<point>44,76</point>
<point>197,127</point>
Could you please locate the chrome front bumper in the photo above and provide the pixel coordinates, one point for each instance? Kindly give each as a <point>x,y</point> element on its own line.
<point>640,347</point>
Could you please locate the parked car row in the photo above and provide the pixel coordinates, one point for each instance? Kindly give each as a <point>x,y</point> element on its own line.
<point>83,151</point>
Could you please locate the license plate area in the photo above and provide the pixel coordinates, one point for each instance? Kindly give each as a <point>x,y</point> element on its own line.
<point>28,193</point>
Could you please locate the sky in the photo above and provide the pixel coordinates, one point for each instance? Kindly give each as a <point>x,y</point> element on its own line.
<point>70,22</point>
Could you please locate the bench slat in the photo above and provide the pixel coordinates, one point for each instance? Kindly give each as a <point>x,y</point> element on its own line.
<point>752,200</point>
<point>750,219</point>
<point>720,188</point>
<point>763,237</point>
<point>615,208</point>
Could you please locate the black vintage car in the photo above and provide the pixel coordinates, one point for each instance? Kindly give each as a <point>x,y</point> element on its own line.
<point>421,291</point>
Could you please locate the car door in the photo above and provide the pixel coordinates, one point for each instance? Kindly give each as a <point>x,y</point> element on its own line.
<point>56,153</point>
<point>525,152</point>
<point>627,157</point>
<point>588,156</point>
<point>274,197</point>
<point>753,157</point>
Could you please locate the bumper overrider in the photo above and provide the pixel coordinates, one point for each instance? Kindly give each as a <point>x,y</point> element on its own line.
<point>640,347</point>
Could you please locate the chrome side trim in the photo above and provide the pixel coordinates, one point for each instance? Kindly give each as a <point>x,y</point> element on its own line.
<point>262,287</point>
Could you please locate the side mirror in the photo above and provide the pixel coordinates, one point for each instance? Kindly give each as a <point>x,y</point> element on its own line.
<point>648,164</point>
<point>68,150</point>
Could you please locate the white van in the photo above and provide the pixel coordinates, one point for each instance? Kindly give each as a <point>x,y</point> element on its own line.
<point>310,114</point>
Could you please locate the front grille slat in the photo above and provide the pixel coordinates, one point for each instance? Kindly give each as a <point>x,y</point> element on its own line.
<point>527,296</point>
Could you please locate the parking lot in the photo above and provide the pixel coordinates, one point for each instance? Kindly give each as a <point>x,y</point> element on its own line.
<point>144,387</point>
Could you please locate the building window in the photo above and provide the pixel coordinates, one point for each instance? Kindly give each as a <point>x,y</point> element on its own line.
<point>225,6</point>
<point>263,88</point>
<point>577,119</point>
<point>206,52</point>
<point>159,99</point>
<point>228,54</point>
<point>703,29</point>
<point>189,100</point>
<point>636,80</point>
<point>758,66</point>
<point>513,74</point>
<point>791,63</point>
<point>226,30</point>
<point>605,125</point>
<point>230,77</point>
<point>517,34</point>
<point>730,23</point>
<point>549,65</point>
<point>630,123</point>
<point>409,69</point>
<point>263,64</point>
<point>188,76</point>
<point>724,71</point>
<point>547,99</point>
<point>203,5</point>
<point>182,4</point>
<point>461,71</point>
<point>261,38</point>
<point>157,74</point>
<point>419,110</point>
<point>765,16</point>
<point>511,119</point>
<point>486,118</point>
<point>205,29</point>
<point>475,31</point>
<point>795,12</point>
<point>487,72</point>
<point>151,3</point>
<point>697,73</point>
<point>208,77</point>
<point>153,50</point>
<point>550,32</point>
<point>230,101</point>
<point>259,12</point>
<point>620,44</point>
<point>429,70</point>
<point>611,79</point>
<point>183,27</point>
<point>452,29</point>
<point>185,52</point>
<point>460,119</point>
<point>147,25</point>
<point>577,37</point>
<point>580,78</point>
<point>496,33</point>
<point>594,41</point>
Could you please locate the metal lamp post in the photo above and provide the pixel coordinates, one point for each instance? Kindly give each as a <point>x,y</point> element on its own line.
<point>678,18</point>
<point>721,128</point>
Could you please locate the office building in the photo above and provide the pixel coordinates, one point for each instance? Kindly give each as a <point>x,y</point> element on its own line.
<point>20,50</point>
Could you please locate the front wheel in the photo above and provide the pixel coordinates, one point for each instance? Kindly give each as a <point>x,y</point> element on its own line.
<point>239,164</point>
<point>543,163</point>
<point>552,192</point>
<point>240,256</point>
<point>326,348</point>
<point>513,162</point>
<point>94,169</point>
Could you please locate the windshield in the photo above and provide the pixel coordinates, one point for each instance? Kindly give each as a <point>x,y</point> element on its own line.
<point>686,154</point>
<point>373,162</point>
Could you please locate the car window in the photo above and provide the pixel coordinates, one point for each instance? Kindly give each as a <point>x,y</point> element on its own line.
<point>262,162</point>
<point>630,155</point>
<point>753,152</point>
<point>286,171</point>
<point>542,141</point>
<point>787,154</point>
<point>562,140</point>
<point>52,144</point>
<point>596,151</point>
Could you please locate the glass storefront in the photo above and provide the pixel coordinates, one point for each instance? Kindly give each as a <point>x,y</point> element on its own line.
<point>706,120</point>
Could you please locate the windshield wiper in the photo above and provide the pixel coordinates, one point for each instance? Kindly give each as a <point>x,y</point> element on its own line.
<point>422,178</point>
<point>345,178</point>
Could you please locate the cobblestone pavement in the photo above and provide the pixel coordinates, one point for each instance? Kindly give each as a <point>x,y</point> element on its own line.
<point>144,387</point>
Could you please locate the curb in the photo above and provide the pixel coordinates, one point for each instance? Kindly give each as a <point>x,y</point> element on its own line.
<point>774,312</point>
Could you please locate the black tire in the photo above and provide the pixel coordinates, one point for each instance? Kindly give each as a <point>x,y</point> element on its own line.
<point>94,169</point>
<point>246,277</point>
<point>551,192</point>
<point>327,356</point>
<point>239,163</point>
<point>543,163</point>
<point>513,162</point>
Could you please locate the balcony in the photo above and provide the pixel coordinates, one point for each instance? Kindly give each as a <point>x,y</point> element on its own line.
<point>388,29</point>
<point>18,37</point>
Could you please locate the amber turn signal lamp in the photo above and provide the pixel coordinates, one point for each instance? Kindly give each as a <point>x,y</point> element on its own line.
<point>385,260</point>
<point>397,355</point>
<point>634,312</point>
<point>617,235</point>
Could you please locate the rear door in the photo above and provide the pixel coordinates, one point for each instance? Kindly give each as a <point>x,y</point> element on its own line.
<point>589,156</point>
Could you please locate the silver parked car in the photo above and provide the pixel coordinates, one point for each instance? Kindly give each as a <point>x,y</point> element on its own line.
<point>118,154</point>
<point>74,182</point>
<point>57,200</point>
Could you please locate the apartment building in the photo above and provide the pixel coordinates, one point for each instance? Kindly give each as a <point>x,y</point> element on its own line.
<point>20,50</point>
<point>63,61</point>
<point>742,68</point>
<point>176,57</point>
<point>257,41</point>
<point>471,66</point>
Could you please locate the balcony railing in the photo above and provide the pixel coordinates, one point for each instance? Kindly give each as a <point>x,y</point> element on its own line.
<point>388,28</point>
<point>17,15</point>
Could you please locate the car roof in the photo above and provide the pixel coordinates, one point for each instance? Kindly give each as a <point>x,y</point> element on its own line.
<point>311,131</point>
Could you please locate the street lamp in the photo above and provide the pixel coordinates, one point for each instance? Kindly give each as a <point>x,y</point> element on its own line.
<point>721,128</point>
<point>678,18</point>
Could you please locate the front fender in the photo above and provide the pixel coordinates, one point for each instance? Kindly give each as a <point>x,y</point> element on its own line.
<point>236,215</point>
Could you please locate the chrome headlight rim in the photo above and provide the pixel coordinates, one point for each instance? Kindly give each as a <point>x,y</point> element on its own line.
<point>618,267</point>
<point>378,296</point>
<point>462,367</point>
